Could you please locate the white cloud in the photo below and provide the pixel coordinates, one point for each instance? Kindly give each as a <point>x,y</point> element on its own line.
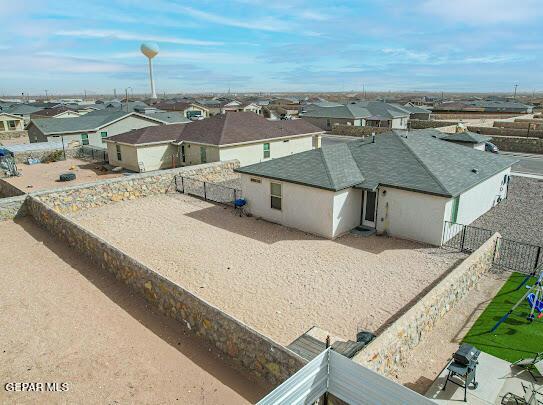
<point>484,11</point>
<point>264,24</point>
<point>128,36</point>
<point>214,57</point>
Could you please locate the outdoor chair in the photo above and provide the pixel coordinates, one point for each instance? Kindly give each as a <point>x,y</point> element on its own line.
<point>531,364</point>
<point>531,397</point>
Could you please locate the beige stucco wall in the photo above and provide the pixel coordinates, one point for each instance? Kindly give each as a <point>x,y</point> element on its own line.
<point>410,215</point>
<point>129,156</point>
<point>155,157</point>
<point>479,199</point>
<point>192,154</point>
<point>306,208</point>
<point>248,154</point>
<point>4,123</point>
<point>347,210</point>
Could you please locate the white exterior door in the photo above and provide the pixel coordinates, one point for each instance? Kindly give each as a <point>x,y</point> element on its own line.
<point>369,208</point>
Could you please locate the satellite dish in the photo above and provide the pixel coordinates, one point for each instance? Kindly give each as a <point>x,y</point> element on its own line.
<point>149,49</point>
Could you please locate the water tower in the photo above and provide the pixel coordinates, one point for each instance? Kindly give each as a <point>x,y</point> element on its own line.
<point>150,50</point>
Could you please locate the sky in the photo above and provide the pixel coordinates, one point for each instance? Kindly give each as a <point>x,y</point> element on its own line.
<point>271,46</point>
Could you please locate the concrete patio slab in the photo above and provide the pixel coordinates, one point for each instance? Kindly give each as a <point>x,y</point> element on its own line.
<point>495,377</point>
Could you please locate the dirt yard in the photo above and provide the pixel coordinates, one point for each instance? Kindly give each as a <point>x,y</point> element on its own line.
<point>46,175</point>
<point>278,280</point>
<point>64,321</point>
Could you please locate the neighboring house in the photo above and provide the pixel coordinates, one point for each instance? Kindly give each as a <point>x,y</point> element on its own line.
<point>253,107</point>
<point>405,186</point>
<point>214,106</point>
<point>358,113</point>
<point>89,129</point>
<point>483,106</point>
<point>23,111</point>
<point>416,112</point>
<point>10,122</point>
<point>467,138</point>
<point>57,112</point>
<point>244,136</point>
<point>189,110</point>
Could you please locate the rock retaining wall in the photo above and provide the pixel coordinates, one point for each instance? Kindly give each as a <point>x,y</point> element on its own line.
<point>13,135</point>
<point>73,199</point>
<point>8,190</point>
<point>517,144</point>
<point>248,349</point>
<point>11,208</point>
<point>386,354</point>
<point>423,124</point>
<point>493,131</point>
<point>351,130</point>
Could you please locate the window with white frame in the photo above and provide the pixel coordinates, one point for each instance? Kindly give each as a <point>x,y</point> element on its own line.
<point>103,135</point>
<point>84,139</point>
<point>266,150</point>
<point>118,150</point>
<point>276,193</point>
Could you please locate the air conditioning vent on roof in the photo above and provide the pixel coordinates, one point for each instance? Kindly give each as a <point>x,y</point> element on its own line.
<point>475,171</point>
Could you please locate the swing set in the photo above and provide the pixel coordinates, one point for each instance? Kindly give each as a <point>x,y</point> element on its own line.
<point>534,297</point>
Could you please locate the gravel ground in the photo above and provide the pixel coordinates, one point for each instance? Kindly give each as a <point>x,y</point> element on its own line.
<point>62,320</point>
<point>278,280</point>
<point>520,216</point>
<point>46,175</point>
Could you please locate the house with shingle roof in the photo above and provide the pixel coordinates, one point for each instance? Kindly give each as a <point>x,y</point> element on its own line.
<point>357,113</point>
<point>92,128</point>
<point>406,185</point>
<point>245,136</point>
<point>468,138</point>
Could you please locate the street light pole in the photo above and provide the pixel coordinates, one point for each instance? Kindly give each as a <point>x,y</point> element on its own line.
<point>515,95</point>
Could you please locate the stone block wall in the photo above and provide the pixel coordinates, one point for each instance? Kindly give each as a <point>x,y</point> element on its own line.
<point>493,131</point>
<point>386,354</point>
<point>423,124</point>
<point>8,190</point>
<point>13,135</point>
<point>11,208</point>
<point>351,130</point>
<point>517,144</point>
<point>73,199</point>
<point>248,349</point>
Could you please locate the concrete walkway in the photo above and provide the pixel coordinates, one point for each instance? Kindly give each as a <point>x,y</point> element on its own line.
<point>496,377</point>
<point>62,320</point>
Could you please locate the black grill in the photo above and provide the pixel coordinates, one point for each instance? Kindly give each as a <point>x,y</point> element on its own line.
<point>463,367</point>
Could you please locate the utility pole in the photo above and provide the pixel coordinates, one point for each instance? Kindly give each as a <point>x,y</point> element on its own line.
<point>515,95</point>
<point>84,94</point>
<point>46,96</point>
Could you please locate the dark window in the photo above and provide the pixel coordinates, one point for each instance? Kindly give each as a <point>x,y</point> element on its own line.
<point>454,210</point>
<point>276,196</point>
<point>118,149</point>
<point>85,139</point>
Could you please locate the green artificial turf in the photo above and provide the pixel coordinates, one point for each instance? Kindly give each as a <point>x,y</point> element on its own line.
<point>515,338</point>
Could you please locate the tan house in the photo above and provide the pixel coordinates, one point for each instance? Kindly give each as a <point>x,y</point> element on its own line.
<point>90,129</point>
<point>56,112</point>
<point>10,122</point>
<point>190,110</point>
<point>244,136</point>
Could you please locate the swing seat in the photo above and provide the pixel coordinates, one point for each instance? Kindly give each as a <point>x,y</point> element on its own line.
<point>537,304</point>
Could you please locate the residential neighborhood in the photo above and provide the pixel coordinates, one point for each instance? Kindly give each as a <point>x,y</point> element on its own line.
<point>271,203</point>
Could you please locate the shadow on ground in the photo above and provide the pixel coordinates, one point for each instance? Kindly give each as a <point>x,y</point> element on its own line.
<point>166,328</point>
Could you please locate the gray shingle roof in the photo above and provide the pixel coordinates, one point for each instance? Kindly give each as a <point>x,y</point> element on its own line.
<point>358,109</point>
<point>223,129</point>
<point>467,137</point>
<point>88,122</point>
<point>421,162</point>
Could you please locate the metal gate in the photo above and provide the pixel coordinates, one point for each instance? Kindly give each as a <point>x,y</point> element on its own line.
<point>509,254</point>
<point>206,190</point>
